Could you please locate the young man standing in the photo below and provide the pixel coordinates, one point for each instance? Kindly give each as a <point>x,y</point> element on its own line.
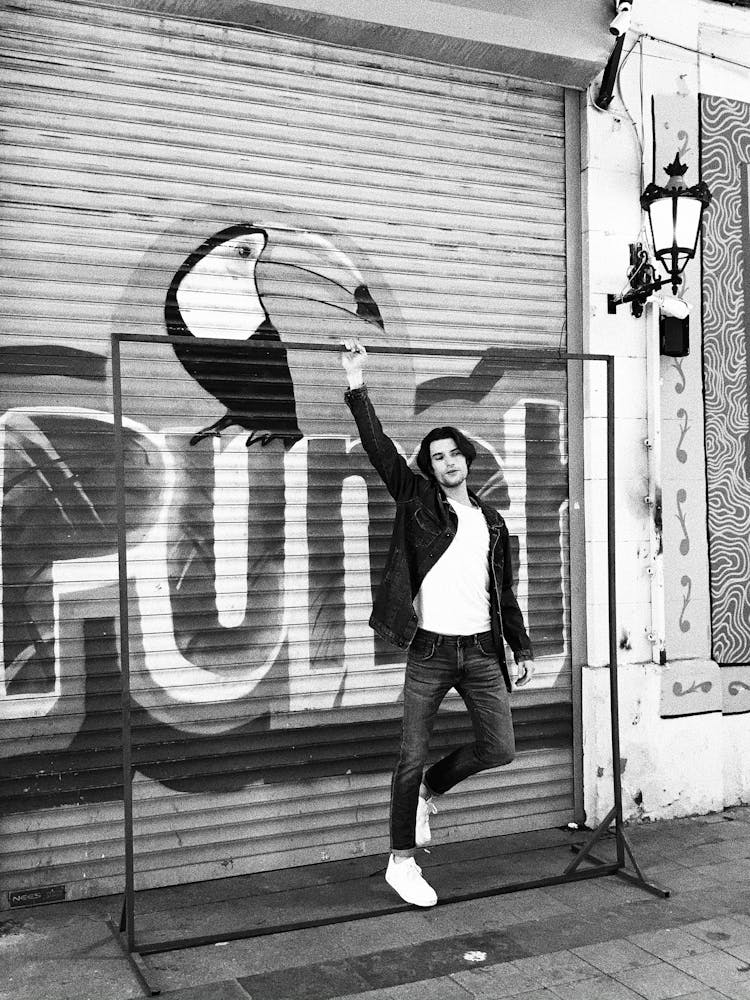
<point>447,597</point>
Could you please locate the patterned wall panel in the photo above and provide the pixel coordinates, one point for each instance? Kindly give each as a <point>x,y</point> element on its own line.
<point>686,599</point>
<point>725,132</point>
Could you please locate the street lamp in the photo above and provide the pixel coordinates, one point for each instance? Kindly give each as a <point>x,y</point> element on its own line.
<point>675,212</point>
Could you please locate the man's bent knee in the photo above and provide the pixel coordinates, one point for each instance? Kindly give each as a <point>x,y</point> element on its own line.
<point>412,757</point>
<point>496,756</point>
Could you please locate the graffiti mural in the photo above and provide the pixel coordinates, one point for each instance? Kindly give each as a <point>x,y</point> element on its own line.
<point>256,531</point>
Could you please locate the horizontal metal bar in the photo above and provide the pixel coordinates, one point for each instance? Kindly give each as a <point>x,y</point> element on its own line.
<point>511,356</point>
<point>604,868</point>
<point>178,944</point>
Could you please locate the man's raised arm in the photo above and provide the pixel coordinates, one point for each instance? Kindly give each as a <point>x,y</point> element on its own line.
<point>399,479</point>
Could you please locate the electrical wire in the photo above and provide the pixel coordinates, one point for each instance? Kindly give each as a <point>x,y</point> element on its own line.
<point>697,52</point>
<point>642,236</point>
<point>640,137</point>
<point>608,111</point>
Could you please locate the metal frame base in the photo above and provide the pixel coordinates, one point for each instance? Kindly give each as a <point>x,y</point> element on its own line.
<point>635,877</point>
<point>572,873</point>
<point>126,933</point>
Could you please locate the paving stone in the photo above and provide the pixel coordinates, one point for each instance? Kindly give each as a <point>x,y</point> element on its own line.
<point>542,937</point>
<point>495,982</point>
<point>329,980</point>
<point>543,994</point>
<point>721,932</point>
<point>658,982</point>
<point>630,918</point>
<point>704,994</point>
<point>735,850</point>
<point>495,912</point>
<point>736,991</point>
<point>431,959</point>
<point>599,988</point>
<point>557,967</point>
<point>59,979</point>
<point>611,956</point>
<point>229,990</point>
<point>704,854</point>
<point>69,932</point>
<point>671,942</point>
<point>675,877</point>
<point>176,970</point>
<point>681,841</point>
<point>428,989</point>
<point>736,832</point>
<point>716,969</point>
<point>729,872</point>
<point>741,951</point>
<point>536,904</point>
<point>585,895</point>
<point>709,902</point>
<point>370,995</point>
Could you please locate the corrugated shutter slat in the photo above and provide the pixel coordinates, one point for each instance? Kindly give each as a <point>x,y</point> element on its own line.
<point>265,711</point>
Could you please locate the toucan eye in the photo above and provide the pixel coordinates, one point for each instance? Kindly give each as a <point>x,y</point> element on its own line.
<point>244,251</point>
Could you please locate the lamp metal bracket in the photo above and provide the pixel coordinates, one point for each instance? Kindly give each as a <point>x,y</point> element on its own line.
<point>643,282</point>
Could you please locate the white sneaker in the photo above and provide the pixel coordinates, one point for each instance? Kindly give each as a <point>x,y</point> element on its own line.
<point>422,832</point>
<point>406,878</point>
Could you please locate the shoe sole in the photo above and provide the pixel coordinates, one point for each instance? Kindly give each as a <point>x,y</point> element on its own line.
<point>411,902</point>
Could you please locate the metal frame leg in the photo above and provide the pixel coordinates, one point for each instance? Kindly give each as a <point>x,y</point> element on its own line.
<point>583,853</point>
<point>142,972</point>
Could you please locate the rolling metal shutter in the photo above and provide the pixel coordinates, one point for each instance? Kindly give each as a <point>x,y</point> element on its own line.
<point>362,195</point>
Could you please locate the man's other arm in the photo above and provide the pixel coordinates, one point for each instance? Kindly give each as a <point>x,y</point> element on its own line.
<point>514,628</point>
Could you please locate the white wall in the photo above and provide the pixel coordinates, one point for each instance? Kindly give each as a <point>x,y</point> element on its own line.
<point>674,763</point>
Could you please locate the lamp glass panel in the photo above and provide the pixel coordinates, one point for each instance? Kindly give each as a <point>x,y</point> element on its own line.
<point>662,228</point>
<point>688,223</point>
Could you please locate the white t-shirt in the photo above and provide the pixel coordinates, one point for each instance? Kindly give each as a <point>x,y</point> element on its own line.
<point>454,598</point>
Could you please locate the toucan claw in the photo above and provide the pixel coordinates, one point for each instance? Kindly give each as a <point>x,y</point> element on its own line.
<point>264,438</point>
<point>214,430</point>
<point>204,434</point>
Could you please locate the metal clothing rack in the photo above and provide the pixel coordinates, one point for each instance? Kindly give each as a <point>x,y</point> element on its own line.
<point>125,930</point>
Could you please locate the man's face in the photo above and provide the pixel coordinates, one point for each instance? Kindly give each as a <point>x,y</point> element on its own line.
<point>448,463</point>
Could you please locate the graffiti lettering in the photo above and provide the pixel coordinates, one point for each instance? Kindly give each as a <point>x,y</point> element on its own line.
<point>251,574</point>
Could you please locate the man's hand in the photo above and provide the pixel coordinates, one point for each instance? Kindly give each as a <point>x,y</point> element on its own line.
<point>353,361</point>
<point>525,671</point>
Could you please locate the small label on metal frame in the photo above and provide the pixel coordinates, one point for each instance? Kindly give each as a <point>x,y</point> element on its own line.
<point>36,897</point>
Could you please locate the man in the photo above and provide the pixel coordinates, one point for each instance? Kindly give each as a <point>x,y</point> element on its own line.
<point>447,596</point>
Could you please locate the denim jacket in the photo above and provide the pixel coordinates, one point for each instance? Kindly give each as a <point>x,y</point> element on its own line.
<point>425,524</point>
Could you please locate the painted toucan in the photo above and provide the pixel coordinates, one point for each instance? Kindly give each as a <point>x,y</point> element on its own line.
<point>214,296</point>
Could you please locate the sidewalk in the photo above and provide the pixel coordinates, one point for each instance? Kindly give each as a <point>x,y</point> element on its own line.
<point>599,939</point>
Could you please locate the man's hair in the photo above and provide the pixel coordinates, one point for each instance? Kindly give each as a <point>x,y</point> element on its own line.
<point>463,444</point>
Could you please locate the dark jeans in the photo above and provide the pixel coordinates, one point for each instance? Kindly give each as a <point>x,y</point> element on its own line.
<point>435,665</point>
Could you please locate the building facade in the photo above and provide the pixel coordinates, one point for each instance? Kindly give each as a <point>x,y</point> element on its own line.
<point>197,211</point>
